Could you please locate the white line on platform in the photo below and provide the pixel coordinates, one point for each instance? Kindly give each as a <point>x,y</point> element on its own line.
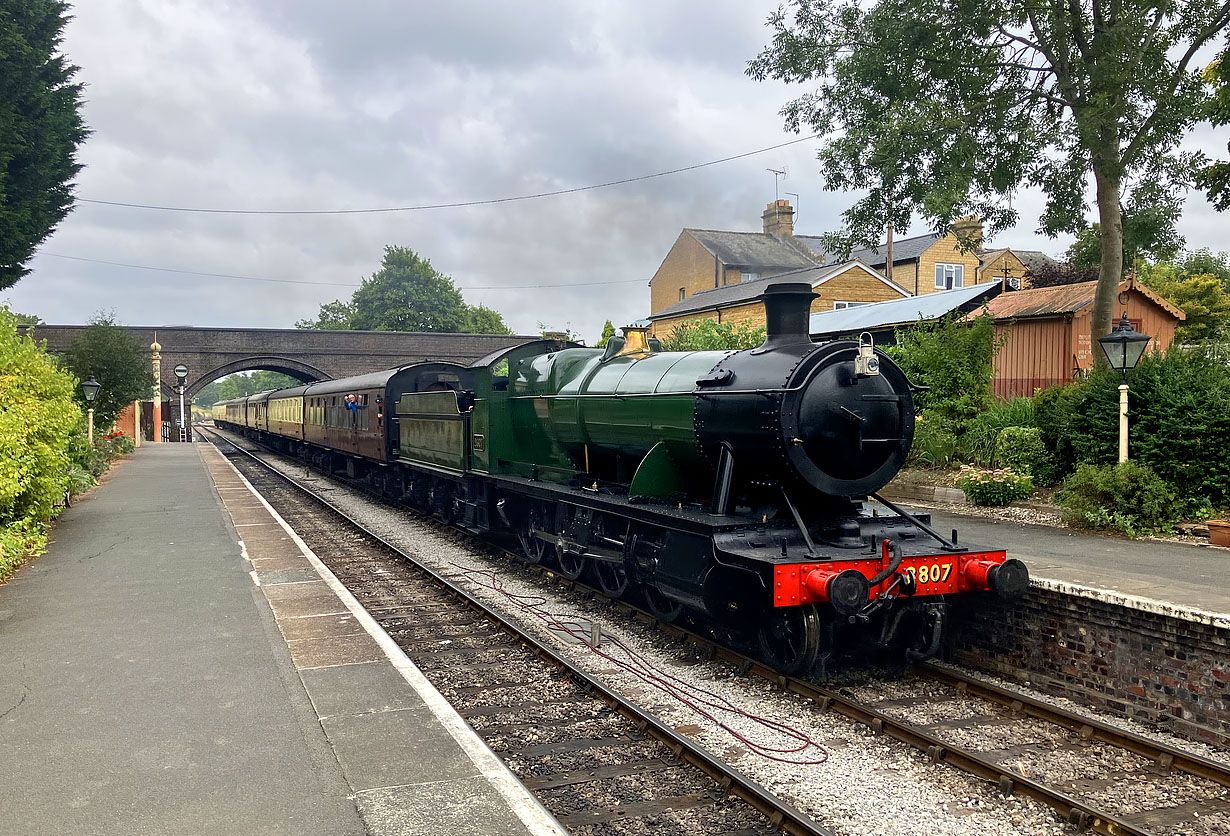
<point>526,807</point>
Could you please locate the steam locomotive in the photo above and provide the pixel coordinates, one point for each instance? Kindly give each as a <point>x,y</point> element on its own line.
<point>737,484</point>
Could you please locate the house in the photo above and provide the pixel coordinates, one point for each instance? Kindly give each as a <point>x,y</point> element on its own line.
<point>711,261</point>
<point>882,319</point>
<point>845,285</point>
<point>929,263</point>
<point>1048,339</point>
<point>1010,266</point>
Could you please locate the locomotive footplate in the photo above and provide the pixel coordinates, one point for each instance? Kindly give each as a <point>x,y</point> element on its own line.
<point>892,555</point>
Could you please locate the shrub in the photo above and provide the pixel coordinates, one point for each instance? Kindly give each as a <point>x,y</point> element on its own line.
<point>994,487</point>
<point>1021,449</point>
<point>116,444</point>
<point>1128,496</point>
<point>19,540</point>
<point>711,335</point>
<point>1179,414</point>
<point>978,442</point>
<point>80,480</point>
<point>934,444</point>
<point>954,359</point>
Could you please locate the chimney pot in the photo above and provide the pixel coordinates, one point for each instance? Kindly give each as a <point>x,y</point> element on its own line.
<point>778,219</point>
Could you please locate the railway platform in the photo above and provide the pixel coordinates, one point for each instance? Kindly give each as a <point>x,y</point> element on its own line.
<point>1176,577</point>
<point>176,664</point>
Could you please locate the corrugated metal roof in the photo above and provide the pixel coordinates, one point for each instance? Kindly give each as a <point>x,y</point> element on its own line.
<point>753,249</point>
<point>897,311</point>
<point>1064,299</point>
<point>1042,301</point>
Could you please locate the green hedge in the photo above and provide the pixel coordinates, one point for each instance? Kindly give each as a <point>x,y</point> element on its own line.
<point>37,423</point>
<point>1179,422</point>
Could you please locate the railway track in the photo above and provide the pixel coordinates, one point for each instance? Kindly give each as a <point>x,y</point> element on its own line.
<point>596,761</point>
<point>1096,776</point>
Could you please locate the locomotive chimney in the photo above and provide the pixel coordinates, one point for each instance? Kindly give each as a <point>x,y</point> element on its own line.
<point>787,308</point>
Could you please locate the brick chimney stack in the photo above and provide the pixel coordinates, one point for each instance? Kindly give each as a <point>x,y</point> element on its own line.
<point>968,230</point>
<point>779,219</point>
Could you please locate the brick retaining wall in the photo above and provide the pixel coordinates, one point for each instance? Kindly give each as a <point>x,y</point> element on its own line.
<point>1147,661</point>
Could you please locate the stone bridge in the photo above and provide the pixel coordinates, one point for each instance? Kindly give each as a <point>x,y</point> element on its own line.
<point>210,353</point>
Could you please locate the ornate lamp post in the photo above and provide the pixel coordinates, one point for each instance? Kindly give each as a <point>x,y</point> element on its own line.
<point>90,389</point>
<point>1124,347</point>
<point>156,355</point>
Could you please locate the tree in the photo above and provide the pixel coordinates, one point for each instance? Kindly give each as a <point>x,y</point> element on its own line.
<point>240,385</point>
<point>711,335</point>
<point>407,294</point>
<point>608,331</point>
<point>483,320</point>
<point>1204,261</point>
<point>1201,296</point>
<point>334,316</point>
<point>40,129</point>
<point>1215,177</point>
<point>1149,235</point>
<point>116,360</point>
<point>566,333</point>
<point>1040,95</point>
<point>209,395</point>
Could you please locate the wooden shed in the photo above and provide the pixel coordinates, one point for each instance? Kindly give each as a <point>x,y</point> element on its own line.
<point>1048,331</point>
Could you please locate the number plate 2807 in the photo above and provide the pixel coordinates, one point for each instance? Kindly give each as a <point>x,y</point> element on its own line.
<point>926,574</point>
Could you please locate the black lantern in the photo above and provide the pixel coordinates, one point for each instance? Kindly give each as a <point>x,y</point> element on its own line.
<point>1124,346</point>
<point>90,388</point>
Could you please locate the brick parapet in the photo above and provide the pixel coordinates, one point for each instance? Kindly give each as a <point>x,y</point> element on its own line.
<point>1156,663</point>
<point>212,352</point>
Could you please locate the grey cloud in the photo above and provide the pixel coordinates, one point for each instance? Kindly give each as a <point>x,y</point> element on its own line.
<point>325,105</point>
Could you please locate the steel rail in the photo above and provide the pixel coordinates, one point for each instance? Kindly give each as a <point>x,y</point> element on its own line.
<point>1088,728</point>
<point>785,817</point>
<point>1009,781</point>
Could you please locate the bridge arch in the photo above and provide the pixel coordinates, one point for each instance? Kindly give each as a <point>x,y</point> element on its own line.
<point>285,365</point>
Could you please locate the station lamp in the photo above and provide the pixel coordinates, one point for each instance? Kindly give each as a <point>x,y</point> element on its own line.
<point>90,388</point>
<point>1124,346</point>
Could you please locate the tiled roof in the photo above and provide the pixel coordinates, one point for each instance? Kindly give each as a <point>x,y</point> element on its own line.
<point>753,249</point>
<point>897,311</point>
<point>904,249</point>
<point>738,294</point>
<point>1033,259</point>
<point>744,292</point>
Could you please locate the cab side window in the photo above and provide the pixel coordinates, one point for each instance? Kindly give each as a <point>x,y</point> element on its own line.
<point>499,376</point>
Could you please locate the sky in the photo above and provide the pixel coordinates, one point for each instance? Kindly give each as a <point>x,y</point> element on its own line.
<point>317,104</point>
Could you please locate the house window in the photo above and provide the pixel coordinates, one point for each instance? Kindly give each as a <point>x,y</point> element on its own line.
<point>949,276</point>
<point>751,277</point>
<point>683,291</point>
<point>841,306</point>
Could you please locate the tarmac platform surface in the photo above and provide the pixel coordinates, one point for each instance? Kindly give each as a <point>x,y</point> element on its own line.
<point>149,683</point>
<point>1186,576</point>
